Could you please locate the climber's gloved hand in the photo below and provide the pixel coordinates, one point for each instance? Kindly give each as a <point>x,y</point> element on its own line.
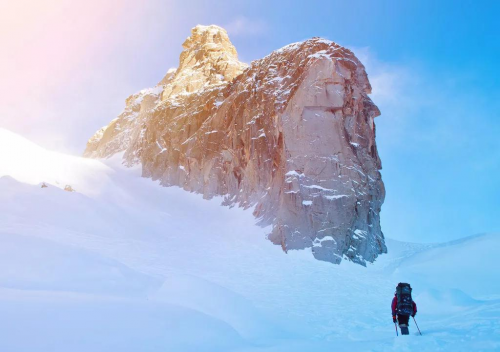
<point>394,319</point>
<point>413,315</point>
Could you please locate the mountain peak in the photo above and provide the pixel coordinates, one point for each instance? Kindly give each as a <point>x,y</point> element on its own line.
<point>209,58</point>
<point>209,38</point>
<point>292,136</point>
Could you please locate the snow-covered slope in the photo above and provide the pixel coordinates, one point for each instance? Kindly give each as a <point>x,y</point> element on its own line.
<point>28,163</point>
<point>125,265</point>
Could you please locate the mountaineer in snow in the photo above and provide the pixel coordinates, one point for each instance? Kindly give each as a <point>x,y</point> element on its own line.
<point>403,306</point>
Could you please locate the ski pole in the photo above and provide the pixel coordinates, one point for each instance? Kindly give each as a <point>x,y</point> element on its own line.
<point>417,326</point>
<point>396,326</point>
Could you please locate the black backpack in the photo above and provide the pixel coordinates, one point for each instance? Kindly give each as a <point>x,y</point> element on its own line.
<point>405,302</point>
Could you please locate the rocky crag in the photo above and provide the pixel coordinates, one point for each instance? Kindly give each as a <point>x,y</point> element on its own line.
<point>291,135</point>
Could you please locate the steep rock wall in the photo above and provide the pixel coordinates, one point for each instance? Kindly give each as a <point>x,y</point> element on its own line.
<point>292,135</point>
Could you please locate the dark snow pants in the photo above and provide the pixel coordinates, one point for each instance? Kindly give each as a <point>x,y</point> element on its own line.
<point>403,324</point>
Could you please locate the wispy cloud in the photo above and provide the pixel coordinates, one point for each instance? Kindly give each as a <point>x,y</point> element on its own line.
<point>424,111</point>
<point>428,111</point>
<point>243,26</point>
<point>395,90</point>
<point>389,81</point>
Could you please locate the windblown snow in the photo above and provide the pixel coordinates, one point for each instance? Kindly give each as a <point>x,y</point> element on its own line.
<point>123,264</point>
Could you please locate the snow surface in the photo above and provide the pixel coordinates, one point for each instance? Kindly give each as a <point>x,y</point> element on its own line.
<point>123,264</point>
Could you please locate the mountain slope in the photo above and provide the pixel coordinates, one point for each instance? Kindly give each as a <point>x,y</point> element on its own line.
<point>142,267</point>
<point>27,162</point>
<point>291,136</point>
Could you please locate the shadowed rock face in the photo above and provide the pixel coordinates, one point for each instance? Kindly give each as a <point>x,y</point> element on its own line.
<point>291,135</point>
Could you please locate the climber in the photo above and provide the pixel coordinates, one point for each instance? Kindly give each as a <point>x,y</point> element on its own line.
<point>403,306</point>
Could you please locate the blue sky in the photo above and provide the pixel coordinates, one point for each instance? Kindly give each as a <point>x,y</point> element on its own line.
<point>433,65</point>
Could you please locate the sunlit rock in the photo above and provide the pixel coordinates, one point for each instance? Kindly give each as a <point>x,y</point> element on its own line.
<point>291,135</point>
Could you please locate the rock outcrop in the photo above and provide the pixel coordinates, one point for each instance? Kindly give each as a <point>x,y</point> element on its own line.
<point>291,135</point>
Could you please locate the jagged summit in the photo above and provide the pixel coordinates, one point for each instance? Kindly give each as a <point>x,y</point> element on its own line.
<point>209,58</point>
<point>292,135</point>
<point>209,38</point>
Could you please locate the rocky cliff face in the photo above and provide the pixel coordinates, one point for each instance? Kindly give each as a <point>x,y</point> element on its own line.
<point>291,135</point>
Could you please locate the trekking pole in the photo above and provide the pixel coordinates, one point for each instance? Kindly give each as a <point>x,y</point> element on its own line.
<point>417,326</point>
<point>396,326</point>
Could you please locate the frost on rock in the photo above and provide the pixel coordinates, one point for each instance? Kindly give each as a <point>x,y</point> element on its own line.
<point>291,136</point>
